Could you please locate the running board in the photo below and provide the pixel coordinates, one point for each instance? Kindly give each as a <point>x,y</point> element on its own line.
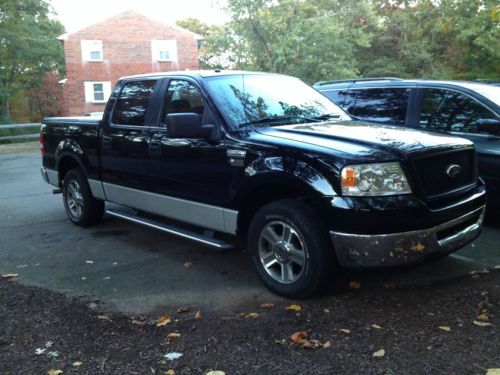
<point>184,233</point>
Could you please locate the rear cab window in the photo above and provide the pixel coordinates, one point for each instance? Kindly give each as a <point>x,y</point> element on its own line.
<point>133,102</point>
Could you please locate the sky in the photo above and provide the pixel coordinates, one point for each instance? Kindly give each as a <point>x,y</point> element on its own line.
<point>77,14</point>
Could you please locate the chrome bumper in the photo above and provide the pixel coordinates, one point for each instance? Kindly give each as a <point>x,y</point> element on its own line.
<point>43,172</point>
<point>50,176</point>
<point>379,250</point>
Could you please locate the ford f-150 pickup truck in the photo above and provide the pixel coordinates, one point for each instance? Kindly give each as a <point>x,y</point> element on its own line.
<point>264,158</point>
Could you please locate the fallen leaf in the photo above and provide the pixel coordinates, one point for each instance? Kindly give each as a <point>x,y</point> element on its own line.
<point>139,320</point>
<point>482,324</point>
<point>493,371</point>
<point>39,351</point>
<point>163,320</point>
<point>326,311</point>
<point>418,248</point>
<point>107,278</point>
<point>326,345</point>
<point>379,353</point>
<point>183,309</point>
<point>346,331</point>
<point>102,317</point>
<point>445,328</point>
<point>376,326</point>
<point>54,354</point>
<point>267,305</point>
<point>297,337</point>
<point>170,372</point>
<point>84,278</point>
<point>483,317</point>
<point>173,356</point>
<point>77,364</point>
<point>89,261</point>
<point>253,315</point>
<point>173,335</point>
<point>294,307</point>
<point>188,264</point>
<point>389,286</point>
<point>354,284</point>
<point>9,276</point>
<point>55,372</point>
<point>197,316</point>
<point>216,372</point>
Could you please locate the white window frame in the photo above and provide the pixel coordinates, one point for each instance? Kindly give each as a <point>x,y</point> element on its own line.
<point>89,46</point>
<point>90,92</point>
<point>159,46</point>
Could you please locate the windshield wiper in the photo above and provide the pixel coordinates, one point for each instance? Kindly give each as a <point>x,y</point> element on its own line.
<point>328,116</point>
<point>274,119</point>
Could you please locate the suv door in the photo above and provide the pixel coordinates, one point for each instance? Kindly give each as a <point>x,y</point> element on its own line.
<point>381,105</point>
<point>459,114</point>
<point>191,169</point>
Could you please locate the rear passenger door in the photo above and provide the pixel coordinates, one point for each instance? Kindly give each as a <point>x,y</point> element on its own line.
<point>124,139</point>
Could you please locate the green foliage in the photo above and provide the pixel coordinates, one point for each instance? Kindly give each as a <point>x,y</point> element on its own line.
<point>333,39</point>
<point>28,48</point>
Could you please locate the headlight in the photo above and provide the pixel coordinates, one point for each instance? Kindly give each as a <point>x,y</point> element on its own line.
<point>374,179</point>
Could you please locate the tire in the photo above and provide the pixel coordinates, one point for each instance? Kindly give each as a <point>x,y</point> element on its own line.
<point>81,207</point>
<point>288,236</point>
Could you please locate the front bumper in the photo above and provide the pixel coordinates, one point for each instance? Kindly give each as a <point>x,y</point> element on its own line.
<point>406,248</point>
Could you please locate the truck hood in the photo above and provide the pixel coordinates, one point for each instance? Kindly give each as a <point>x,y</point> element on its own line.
<point>365,138</point>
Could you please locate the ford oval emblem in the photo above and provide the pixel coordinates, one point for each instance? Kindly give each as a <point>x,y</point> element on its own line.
<point>453,170</point>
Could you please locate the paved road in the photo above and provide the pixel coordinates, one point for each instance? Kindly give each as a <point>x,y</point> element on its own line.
<point>138,270</point>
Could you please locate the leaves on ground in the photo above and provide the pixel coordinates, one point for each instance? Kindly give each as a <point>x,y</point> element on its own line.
<point>89,261</point>
<point>183,309</point>
<point>253,315</point>
<point>188,264</point>
<point>354,284</point>
<point>445,328</point>
<point>482,324</point>
<point>418,247</point>
<point>173,335</point>
<point>267,305</point>
<point>9,276</point>
<point>77,364</point>
<point>376,327</point>
<point>40,351</point>
<point>173,356</point>
<point>55,372</point>
<point>379,353</point>
<point>294,308</point>
<point>389,286</point>
<point>216,372</point>
<point>138,320</point>
<point>344,330</point>
<point>301,339</point>
<point>103,317</point>
<point>163,320</point>
<point>197,316</point>
<point>53,354</point>
<point>170,372</point>
<point>493,371</point>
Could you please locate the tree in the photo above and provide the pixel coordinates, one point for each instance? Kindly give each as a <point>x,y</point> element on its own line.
<point>28,48</point>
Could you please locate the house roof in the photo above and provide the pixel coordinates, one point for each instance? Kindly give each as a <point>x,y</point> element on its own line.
<point>136,14</point>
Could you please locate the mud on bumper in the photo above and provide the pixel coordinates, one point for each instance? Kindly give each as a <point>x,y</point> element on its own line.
<point>381,250</point>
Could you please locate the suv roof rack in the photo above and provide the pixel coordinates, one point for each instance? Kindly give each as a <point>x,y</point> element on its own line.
<point>322,83</point>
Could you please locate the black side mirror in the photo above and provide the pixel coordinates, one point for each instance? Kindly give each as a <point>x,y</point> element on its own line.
<point>489,126</point>
<point>184,125</point>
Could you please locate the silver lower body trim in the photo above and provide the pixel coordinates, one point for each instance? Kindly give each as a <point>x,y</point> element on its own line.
<point>50,176</point>
<point>97,189</point>
<point>379,250</point>
<point>207,216</point>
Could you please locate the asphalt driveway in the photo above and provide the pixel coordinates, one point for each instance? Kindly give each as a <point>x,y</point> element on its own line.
<point>138,270</point>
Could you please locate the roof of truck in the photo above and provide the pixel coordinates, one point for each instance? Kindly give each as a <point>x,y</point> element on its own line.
<point>194,73</point>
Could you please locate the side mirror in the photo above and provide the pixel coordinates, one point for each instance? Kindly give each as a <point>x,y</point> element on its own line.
<point>489,126</point>
<point>184,125</point>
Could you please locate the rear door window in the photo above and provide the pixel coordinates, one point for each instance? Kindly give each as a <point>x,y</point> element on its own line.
<point>387,106</point>
<point>336,96</point>
<point>446,110</point>
<point>133,102</point>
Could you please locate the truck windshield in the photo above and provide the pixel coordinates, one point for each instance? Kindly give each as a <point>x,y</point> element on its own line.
<point>270,100</point>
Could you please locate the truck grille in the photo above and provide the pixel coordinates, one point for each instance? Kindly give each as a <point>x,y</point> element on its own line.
<point>433,177</point>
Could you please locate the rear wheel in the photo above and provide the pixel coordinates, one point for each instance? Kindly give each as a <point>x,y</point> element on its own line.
<point>81,207</point>
<point>290,248</point>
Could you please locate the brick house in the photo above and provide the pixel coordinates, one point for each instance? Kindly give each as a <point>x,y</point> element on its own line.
<point>128,43</point>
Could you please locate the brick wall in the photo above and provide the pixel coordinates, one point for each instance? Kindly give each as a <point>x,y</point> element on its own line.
<point>126,46</point>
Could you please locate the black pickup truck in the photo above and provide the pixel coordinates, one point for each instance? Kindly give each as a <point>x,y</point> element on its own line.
<point>264,158</point>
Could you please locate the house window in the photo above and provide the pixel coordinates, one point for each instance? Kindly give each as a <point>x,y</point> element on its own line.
<point>97,92</point>
<point>164,50</point>
<point>92,50</point>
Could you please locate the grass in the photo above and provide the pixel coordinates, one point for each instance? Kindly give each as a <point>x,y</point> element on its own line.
<point>17,148</point>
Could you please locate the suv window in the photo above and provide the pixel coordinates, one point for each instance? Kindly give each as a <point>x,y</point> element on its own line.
<point>336,96</point>
<point>386,106</point>
<point>133,102</point>
<point>447,110</point>
<point>182,97</point>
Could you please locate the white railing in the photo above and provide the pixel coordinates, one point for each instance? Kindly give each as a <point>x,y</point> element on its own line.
<point>21,136</point>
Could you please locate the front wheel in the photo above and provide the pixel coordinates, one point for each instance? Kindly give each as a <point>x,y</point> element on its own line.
<point>290,248</point>
<point>80,205</point>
